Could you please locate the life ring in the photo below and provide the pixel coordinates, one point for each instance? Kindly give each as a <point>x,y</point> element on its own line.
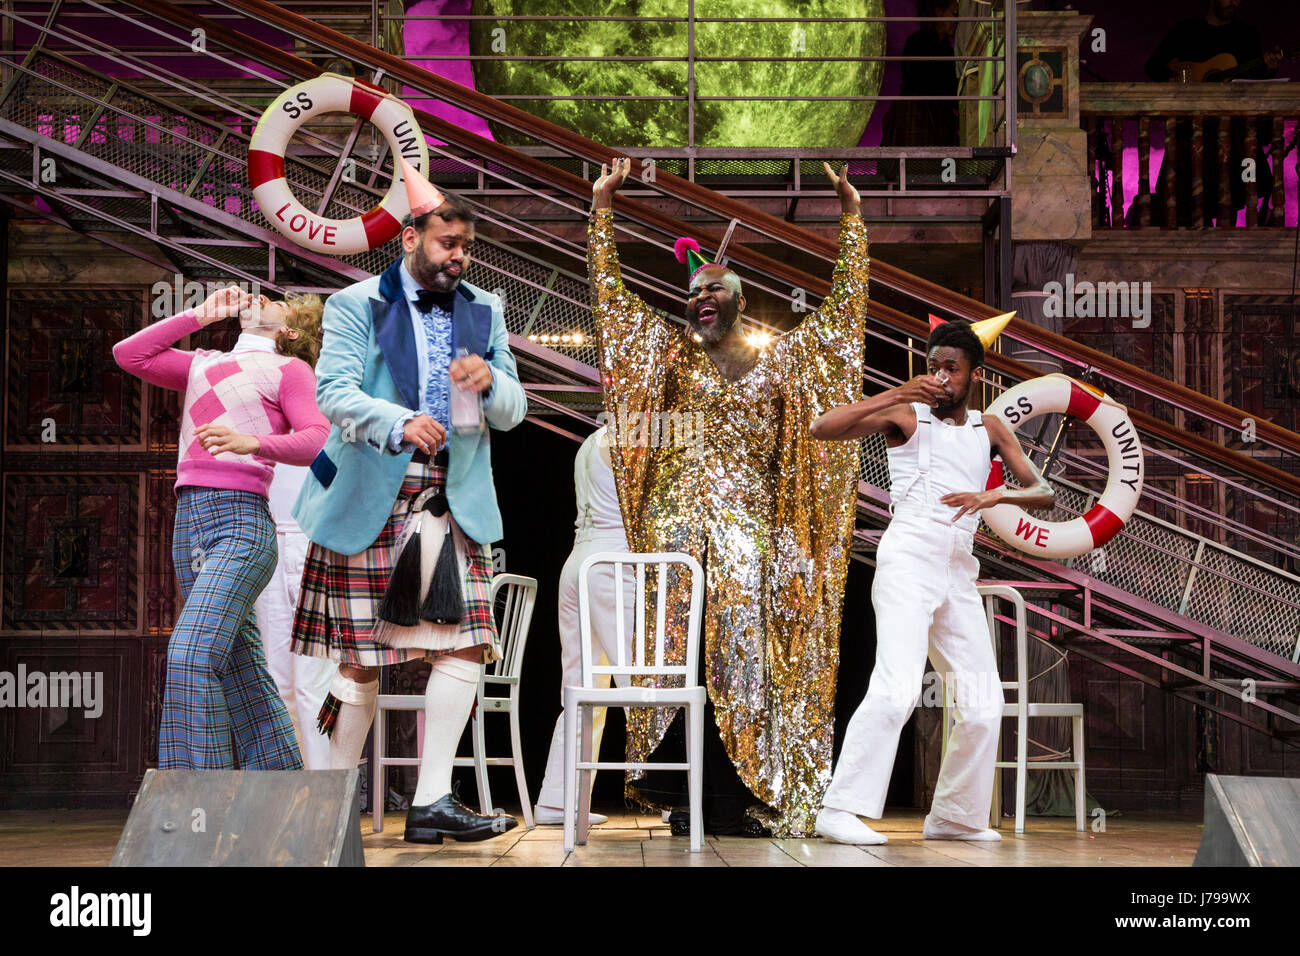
<point>332,93</point>
<point>1109,419</point>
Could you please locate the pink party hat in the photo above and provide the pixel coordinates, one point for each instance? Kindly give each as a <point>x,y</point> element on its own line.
<point>421,194</point>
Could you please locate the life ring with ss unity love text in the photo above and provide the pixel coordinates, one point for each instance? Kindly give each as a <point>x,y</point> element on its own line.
<point>1060,394</point>
<point>332,93</point>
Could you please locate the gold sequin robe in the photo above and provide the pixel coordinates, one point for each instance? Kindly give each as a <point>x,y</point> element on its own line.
<point>728,473</point>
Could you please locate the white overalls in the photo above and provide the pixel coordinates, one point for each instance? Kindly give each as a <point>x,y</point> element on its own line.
<point>599,527</point>
<point>925,601</point>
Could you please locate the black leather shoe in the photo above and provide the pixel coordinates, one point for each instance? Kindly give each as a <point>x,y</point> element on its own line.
<point>450,817</point>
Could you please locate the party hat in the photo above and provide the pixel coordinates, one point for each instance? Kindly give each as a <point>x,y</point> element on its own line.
<point>988,330</point>
<point>687,250</point>
<point>421,194</point>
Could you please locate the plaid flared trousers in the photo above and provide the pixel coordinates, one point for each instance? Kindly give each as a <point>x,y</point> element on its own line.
<point>218,685</point>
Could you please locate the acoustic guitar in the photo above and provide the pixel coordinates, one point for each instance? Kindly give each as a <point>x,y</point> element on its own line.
<point>1217,69</point>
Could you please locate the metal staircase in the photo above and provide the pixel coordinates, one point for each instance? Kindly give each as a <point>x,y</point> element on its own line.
<point>1193,599</point>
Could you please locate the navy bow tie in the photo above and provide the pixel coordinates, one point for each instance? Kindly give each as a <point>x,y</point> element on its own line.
<point>426,300</point>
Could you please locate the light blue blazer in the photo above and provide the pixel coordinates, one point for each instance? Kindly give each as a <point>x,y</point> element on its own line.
<point>367,377</point>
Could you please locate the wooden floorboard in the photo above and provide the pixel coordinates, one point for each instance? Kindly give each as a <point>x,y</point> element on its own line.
<point>88,838</point>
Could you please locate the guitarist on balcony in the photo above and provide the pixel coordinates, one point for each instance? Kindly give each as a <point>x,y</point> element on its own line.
<point>1194,43</point>
<point>1215,47</point>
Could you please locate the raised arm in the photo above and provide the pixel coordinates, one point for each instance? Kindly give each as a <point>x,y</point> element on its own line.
<point>839,321</point>
<point>148,355</point>
<point>849,280</point>
<point>620,314</point>
<point>888,412</point>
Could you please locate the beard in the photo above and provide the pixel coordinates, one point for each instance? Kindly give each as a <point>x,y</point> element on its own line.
<point>433,277</point>
<point>713,331</point>
<point>952,402</point>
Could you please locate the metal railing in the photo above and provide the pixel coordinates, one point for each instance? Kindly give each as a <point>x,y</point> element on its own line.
<point>974,172</point>
<point>1200,137</point>
<point>169,150</point>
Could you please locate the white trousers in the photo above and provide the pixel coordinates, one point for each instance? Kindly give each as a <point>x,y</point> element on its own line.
<point>925,601</point>
<point>604,632</point>
<point>302,681</point>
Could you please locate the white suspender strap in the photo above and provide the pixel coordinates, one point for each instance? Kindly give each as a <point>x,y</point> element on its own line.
<point>923,428</point>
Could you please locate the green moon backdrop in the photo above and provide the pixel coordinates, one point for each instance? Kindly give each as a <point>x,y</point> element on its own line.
<point>736,123</point>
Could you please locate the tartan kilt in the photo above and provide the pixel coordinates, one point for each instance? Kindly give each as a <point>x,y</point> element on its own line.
<point>340,593</point>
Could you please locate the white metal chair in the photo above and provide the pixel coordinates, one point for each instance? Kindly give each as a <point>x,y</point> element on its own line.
<point>1022,709</point>
<point>517,615</point>
<point>579,700</point>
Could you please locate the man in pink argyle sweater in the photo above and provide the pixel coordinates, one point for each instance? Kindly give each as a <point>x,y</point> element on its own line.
<point>240,408</point>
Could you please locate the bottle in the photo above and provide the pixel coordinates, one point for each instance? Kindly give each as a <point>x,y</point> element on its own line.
<point>466,406</point>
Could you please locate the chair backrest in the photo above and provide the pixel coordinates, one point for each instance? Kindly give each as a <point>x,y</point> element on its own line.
<point>991,593</point>
<point>634,657</point>
<point>517,615</point>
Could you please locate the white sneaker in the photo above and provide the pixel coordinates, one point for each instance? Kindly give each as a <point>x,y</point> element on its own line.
<point>551,817</point>
<point>937,828</point>
<point>840,826</point>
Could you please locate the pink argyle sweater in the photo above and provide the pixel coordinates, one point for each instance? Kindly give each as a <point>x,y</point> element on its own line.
<point>254,392</point>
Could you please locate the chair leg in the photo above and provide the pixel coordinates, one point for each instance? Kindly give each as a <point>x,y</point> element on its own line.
<point>995,805</point>
<point>570,775</point>
<point>694,775</point>
<point>584,777</point>
<point>1022,779</point>
<point>480,755</point>
<point>517,762</point>
<point>377,789</point>
<point>1080,792</point>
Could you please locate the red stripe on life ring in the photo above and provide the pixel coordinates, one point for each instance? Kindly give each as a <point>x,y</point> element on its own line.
<point>1103,523</point>
<point>995,476</point>
<point>1082,403</point>
<point>370,86</point>
<point>264,167</point>
<point>380,226</point>
<point>364,103</point>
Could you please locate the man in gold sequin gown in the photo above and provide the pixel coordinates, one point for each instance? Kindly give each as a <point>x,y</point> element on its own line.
<point>766,509</point>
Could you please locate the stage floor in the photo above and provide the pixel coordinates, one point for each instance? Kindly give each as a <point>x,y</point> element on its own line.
<point>88,837</point>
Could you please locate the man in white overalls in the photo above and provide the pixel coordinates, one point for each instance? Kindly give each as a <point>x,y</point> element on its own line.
<point>924,592</point>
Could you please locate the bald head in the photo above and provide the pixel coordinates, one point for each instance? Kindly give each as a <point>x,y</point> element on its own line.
<point>714,303</point>
<point>717,274</point>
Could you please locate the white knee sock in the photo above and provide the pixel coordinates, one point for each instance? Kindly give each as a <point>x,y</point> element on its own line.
<point>448,699</point>
<point>357,704</point>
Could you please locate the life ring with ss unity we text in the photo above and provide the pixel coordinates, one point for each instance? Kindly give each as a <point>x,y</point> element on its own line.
<point>332,93</point>
<point>1060,394</point>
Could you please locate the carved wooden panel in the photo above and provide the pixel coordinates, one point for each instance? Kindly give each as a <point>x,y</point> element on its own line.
<point>87,510</point>
<point>65,390</point>
<point>71,555</point>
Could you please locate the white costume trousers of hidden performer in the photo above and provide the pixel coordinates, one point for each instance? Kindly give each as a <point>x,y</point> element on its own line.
<point>926,603</point>
<point>599,528</point>
<point>303,682</point>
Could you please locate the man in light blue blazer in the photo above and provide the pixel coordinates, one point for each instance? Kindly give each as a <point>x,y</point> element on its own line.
<point>399,352</point>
